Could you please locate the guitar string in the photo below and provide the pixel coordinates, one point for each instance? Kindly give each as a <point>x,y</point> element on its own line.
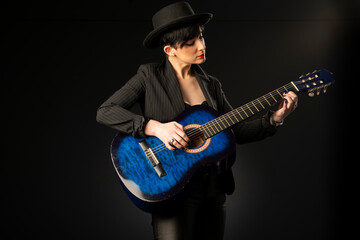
<point>221,119</point>
<point>217,121</point>
<point>211,126</point>
<point>226,117</point>
<point>248,105</point>
<point>242,109</point>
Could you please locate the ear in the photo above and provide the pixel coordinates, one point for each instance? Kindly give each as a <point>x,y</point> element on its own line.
<point>169,50</point>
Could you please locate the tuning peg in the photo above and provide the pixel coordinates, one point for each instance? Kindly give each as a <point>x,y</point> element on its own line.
<point>318,92</point>
<point>311,94</point>
<point>325,89</point>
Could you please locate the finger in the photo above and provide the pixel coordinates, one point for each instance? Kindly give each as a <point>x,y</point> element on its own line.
<point>181,132</point>
<point>183,135</point>
<point>179,142</point>
<point>167,144</point>
<point>292,105</point>
<point>293,96</point>
<point>179,126</point>
<point>295,104</point>
<point>291,93</point>
<point>176,144</point>
<point>282,104</point>
<point>289,101</point>
<point>285,102</point>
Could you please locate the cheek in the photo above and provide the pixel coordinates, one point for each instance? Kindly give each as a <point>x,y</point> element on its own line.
<point>186,54</point>
<point>191,51</point>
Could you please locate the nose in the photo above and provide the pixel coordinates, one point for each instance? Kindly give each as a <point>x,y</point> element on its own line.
<point>201,44</point>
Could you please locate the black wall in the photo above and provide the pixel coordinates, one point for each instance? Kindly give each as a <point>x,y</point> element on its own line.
<point>61,60</point>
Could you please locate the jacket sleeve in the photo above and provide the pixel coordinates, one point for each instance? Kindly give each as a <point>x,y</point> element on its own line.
<point>246,131</point>
<point>114,111</point>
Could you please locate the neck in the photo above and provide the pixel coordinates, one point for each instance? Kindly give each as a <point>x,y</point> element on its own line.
<point>182,70</point>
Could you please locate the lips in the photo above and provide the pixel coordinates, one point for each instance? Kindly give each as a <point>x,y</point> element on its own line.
<point>201,56</point>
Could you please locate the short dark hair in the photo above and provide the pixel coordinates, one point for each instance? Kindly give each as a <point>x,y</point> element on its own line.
<point>181,35</point>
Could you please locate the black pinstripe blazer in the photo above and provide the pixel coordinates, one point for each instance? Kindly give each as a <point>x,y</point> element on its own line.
<point>156,88</point>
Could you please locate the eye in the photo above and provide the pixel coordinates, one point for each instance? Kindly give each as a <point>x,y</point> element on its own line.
<point>190,43</point>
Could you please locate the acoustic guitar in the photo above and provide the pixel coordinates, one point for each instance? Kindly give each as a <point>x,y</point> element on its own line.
<point>152,175</point>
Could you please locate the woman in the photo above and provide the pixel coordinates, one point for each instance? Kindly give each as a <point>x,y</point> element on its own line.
<point>163,92</point>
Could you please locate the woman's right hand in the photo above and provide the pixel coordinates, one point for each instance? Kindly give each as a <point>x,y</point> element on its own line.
<point>166,132</point>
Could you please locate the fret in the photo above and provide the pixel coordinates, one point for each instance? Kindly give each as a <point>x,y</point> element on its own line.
<point>250,109</point>
<point>285,90</point>
<point>272,97</point>
<point>226,121</point>
<point>219,128</point>
<point>210,128</point>
<point>244,112</point>
<point>295,86</point>
<point>266,100</point>
<point>239,113</point>
<point>228,114</point>
<point>255,106</point>
<point>216,127</point>
<point>260,103</point>
<point>220,121</point>
<point>203,129</point>
<point>279,93</point>
<point>235,116</point>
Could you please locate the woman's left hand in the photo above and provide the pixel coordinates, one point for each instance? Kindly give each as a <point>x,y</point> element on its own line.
<point>287,106</point>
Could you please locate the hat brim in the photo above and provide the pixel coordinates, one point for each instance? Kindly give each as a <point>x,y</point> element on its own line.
<point>152,39</point>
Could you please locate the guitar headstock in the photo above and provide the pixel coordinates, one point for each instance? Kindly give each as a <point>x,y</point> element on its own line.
<point>314,82</point>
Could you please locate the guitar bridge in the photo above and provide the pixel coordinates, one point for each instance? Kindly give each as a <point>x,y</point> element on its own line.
<point>152,158</point>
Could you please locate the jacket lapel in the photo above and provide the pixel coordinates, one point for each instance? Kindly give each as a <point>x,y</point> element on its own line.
<point>171,86</point>
<point>204,82</point>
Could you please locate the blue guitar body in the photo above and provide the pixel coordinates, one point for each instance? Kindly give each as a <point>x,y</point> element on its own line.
<point>145,187</point>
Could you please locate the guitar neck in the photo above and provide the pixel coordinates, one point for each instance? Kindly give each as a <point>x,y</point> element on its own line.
<point>245,111</point>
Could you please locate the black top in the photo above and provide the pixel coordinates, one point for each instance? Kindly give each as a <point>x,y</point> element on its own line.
<point>203,103</point>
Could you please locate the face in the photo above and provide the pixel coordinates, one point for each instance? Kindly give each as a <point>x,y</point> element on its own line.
<point>192,52</point>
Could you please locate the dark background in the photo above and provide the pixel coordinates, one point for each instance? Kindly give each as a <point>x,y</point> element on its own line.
<point>60,60</point>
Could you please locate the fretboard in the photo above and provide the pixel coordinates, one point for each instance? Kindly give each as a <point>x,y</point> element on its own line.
<point>245,111</point>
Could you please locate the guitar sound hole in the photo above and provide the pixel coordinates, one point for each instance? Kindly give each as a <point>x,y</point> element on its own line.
<point>198,143</point>
<point>197,138</point>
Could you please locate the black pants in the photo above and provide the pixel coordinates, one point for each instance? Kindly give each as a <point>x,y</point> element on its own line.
<point>200,216</point>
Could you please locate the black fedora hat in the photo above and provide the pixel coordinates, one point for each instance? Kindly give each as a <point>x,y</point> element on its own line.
<point>170,17</point>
